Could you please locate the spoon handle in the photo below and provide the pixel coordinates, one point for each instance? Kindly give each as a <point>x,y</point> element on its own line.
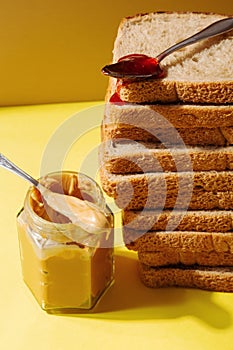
<point>7,164</point>
<point>219,27</point>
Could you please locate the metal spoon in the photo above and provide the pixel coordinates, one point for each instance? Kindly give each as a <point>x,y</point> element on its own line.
<point>125,67</point>
<point>80,212</point>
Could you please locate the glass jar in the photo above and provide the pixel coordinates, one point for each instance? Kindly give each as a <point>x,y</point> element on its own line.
<point>66,268</point>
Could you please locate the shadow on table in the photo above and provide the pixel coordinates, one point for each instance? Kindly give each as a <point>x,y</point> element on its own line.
<point>128,299</point>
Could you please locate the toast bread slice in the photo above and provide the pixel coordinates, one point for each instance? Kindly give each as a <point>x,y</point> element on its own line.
<point>166,115</point>
<point>168,257</point>
<point>218,279</point>
<point>190,220</point>
<point>179,241</point>
<point>130,157</point>
<point>170,137</point>
<point>194,190</point>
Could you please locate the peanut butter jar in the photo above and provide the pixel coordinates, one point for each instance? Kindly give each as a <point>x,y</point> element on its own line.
<point>66,268</point>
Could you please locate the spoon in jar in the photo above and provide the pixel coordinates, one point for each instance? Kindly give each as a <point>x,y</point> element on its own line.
<point>142,66</point>
<point>81,212</point>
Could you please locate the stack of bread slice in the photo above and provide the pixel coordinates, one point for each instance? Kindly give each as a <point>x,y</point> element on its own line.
<point>167,153</point>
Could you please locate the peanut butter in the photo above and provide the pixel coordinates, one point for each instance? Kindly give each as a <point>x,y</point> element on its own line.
<point>63,274</point>
<point>80,212</point>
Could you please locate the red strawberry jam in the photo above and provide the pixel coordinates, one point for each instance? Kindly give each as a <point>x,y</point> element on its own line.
<point>115,98</point>
<point>139,64</point>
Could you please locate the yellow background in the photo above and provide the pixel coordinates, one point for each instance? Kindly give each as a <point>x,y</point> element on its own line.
<point>53,50</point>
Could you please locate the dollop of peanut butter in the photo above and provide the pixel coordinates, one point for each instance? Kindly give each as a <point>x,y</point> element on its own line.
<point>78,211</point>
<point>60,200</point>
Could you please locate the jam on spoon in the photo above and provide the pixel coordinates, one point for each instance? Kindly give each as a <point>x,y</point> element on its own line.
<point>135,66</point>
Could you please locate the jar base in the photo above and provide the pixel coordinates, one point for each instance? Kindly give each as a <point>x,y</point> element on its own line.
<point>77,310</point>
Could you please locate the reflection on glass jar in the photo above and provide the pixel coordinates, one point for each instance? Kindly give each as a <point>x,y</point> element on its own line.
<point>66,268</point>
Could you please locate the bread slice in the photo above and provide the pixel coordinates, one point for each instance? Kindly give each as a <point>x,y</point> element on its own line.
<point>179,242</point>
<point>169,137</point>
<point>167,257</point>
<point>169,115</point>
<point>218,279</point>
<point>193,190</point>
<point>200,73</point>
<point>197,237</point>
<point>130,157</point>
<point>191,220</point>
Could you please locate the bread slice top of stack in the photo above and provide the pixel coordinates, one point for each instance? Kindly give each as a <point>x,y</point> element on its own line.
<point>200,73</point>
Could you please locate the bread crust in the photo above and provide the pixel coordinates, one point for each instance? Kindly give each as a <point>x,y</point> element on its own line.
<point>179,242</point>
<point>134,157</point>
<point>193,190</point>
<point>191,220</point>
<point>205,92</point>
<point>169,92</point>
<point>170,256</point>
<point>170,137</point>
<point>167,115</point>
<point>140,15</point>
<point>214,279</point>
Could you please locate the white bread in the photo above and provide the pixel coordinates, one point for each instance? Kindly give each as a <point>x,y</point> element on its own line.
<point>180,242</point>
<point>125,157</point>
<point>196,190</point>
<point>171,256</point>
<point>197,237</point>
<point>170,137</point>
<point>218,279</point>
<point>191,220</point>
<point>200,73</point>
<point>186,248</point>
<point>167,115</point>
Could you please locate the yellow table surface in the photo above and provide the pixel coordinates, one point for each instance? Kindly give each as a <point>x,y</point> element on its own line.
<point>130,316</point>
